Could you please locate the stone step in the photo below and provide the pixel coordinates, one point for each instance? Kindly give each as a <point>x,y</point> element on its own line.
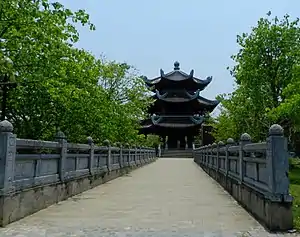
<point>177,154</point>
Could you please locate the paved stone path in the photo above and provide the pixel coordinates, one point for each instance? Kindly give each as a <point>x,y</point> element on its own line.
<point>171,197</point>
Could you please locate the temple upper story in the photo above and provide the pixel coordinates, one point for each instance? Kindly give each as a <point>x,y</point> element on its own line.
<point>176,79</point>
<point>178,108</point>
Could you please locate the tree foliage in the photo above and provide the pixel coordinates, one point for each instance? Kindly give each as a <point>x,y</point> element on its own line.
<point>265,76</point>
<point>61,87</point>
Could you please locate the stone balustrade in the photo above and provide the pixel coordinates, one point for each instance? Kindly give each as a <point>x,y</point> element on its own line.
<point>255,174</point>
<point>36,174</point>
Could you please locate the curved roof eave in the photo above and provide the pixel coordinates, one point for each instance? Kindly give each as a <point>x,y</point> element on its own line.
<point>207,102</point>
<point>203,82</point>
<point>146,126</point>
<point>176,125</point>
<point>151,82</point>
<point>163,76</point>
<point>191,97</point>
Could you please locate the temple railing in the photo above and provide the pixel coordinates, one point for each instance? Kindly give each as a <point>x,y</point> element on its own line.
<point>36,174</point>
<point>256,174</point>
<point>27,163</point>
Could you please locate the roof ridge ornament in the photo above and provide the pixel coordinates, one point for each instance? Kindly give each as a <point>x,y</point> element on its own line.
<point>162,74</point>
<point>176,66</point>
<point>209,79</point>
<point>161,96</point>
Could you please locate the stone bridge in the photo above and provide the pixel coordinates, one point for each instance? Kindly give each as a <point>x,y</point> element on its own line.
<point>170,197</point>
<point>53,189</point>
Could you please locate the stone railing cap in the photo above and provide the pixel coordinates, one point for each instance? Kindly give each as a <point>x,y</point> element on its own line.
<point>245,137</point>
<point>106,142</point>
<point>230,141</point>
<point>6,126</point>
<point>60,135</point>
<point>276,130</point>
<point>90,140</point>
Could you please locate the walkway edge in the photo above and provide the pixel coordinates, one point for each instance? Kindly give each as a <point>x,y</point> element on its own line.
<point>15,206</point>
<point>274,215</point>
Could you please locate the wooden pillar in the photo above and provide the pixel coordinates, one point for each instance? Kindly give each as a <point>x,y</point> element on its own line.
<point>186,142</point>
<point>163,141</point>
<point>166,143</point>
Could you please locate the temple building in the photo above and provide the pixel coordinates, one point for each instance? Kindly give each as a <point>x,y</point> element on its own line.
<point>179,109</point>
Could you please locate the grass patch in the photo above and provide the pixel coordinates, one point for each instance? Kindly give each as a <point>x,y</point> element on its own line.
<point>294,176</point>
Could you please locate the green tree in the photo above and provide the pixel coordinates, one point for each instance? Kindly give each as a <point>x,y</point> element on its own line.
<point>263,70</point>
<point>61,87</point>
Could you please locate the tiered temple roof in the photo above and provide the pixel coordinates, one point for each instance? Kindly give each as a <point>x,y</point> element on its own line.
<point>177,79</point>
<point>183,97</point>
<point>178,103</point>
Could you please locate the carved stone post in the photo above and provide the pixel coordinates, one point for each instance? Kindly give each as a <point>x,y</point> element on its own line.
<point>108,159</point>
<point>230,143</point>
<point>245,139</point>
<point>91,158</point>
<point>204,156</point>
<point>121,160</point>
<point>7,169</point>
<point>279,208</point>
<point>220,145</point>
<point>214,155</point>
<point>126,162</point>
<point>7,157</point>
<point>277,161</point>
<point>136,157</point>
<point>209,155</point>
<point>61,138</point>
<point>159,150</point>
<point>142,155</point>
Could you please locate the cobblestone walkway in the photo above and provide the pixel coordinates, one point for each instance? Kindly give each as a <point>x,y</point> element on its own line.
<point>171,197</point>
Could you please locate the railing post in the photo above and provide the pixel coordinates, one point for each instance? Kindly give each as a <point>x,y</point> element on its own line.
<point>214,152</point>
<point>220,145</point>
<point>136,155</point>
<point>203,155</point>
<point>277,163</point>
<point>141,155</point>
<point>61,138</point>
<point>108,159</point>
<point>210,155</point>
<point>159,150</point>
<point>245,139</point>
<point>280,208</point>
<point>7,157</point>
<point>128,154</point>
<point>91,157</point>
<point>120,154</point>
<point>229,143</point>
<point>148,156</point>
<point>204,160</point>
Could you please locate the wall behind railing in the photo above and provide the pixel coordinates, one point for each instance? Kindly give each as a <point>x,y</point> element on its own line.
<point>35,174</point>
<point>255,174</point>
